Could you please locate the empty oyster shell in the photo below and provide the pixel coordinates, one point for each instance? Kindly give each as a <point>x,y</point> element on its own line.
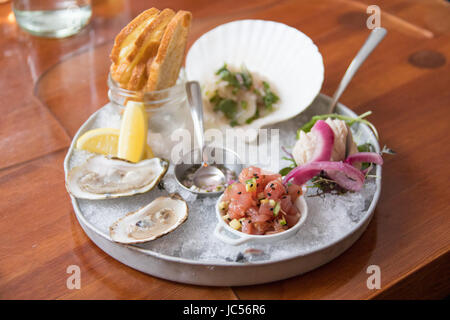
<point>101,177</point>
<point>159,217</point>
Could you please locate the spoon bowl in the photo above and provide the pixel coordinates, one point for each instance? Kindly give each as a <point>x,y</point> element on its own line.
<point>208,176</point>
<point>221,157</point>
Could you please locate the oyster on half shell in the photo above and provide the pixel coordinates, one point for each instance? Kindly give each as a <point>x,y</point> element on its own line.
<point>101,177</point>
<point>159,217</point>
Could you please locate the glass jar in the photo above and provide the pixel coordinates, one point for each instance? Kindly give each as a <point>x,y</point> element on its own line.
<point>167,111</point>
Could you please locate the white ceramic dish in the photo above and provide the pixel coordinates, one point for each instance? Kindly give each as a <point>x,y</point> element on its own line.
<point>283,55</point>
<point>242,237</point>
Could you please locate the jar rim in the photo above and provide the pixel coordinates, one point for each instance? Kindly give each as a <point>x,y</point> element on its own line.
<point>179,88</point>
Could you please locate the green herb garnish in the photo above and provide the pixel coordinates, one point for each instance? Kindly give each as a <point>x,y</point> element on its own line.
<point>366,147</point>
<point>246,78</point>
<point>288,169</point>
<point>276,209</point>
<point>228,76</point>
<point>228,107</point>
<point>254,117</point>
<point>325,185</point>
<point>233,123</point>
<point>237,81</point>
<point>349,120</point>
<point>285,171</point>
<point>269,97</point>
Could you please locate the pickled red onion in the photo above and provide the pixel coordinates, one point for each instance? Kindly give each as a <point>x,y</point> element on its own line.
<point>370,157</point>
<point>325,141</point>
<point>342,173</point>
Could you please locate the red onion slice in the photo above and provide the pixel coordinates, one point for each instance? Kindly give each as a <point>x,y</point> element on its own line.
<point>370,157</point>
<point>301,174</point>
<point>342,173</point>
<point>325,141</point>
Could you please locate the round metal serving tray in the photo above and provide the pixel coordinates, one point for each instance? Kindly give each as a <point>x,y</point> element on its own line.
<point>229,273</point>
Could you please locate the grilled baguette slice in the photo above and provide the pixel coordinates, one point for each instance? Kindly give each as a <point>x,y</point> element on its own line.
<point>163,70</point>
<point>135,45</point>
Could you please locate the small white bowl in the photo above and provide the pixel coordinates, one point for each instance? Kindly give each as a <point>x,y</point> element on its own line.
<point>286,57</point>
<point>242,237</point>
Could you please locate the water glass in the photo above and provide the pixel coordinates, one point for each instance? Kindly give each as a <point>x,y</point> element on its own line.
<point>52,18</point>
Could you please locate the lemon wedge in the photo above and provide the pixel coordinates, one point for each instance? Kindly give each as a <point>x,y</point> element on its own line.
<point>133,132</point>
<point>102,140</point>
<point>105,141</point>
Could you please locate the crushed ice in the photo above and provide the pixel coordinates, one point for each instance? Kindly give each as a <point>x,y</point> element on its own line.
<point>329,218</point>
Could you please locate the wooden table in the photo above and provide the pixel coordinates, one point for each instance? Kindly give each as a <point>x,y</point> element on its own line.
<point>48,88</point>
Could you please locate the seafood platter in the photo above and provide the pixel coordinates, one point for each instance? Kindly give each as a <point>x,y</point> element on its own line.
<point>146,180</point>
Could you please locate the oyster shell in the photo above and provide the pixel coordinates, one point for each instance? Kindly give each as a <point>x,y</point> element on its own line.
<point>101,177</point>
<point>159,217</point>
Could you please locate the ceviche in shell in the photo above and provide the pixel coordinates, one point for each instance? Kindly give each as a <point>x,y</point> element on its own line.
<point>238,97</point>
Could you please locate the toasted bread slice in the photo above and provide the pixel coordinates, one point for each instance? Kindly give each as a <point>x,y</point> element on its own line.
<point>164,68</point>
<point>125,42</point>
<point>137,44</point>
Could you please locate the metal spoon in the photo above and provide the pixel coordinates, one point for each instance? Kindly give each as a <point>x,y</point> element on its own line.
<point>372,41</point>
<point>207,175</point>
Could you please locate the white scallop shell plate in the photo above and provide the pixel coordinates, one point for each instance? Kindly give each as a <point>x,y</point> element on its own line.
<point>285,56</point>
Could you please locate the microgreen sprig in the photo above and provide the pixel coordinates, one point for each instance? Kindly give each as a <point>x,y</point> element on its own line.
<point>349,120</point>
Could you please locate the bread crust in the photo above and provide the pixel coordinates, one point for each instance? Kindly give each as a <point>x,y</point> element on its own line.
<point>165,67</point>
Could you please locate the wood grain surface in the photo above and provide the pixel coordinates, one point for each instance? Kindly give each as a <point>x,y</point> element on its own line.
<point>48,88</point>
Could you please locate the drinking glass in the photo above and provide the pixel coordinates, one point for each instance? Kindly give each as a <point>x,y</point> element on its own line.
<point>52,18</point>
